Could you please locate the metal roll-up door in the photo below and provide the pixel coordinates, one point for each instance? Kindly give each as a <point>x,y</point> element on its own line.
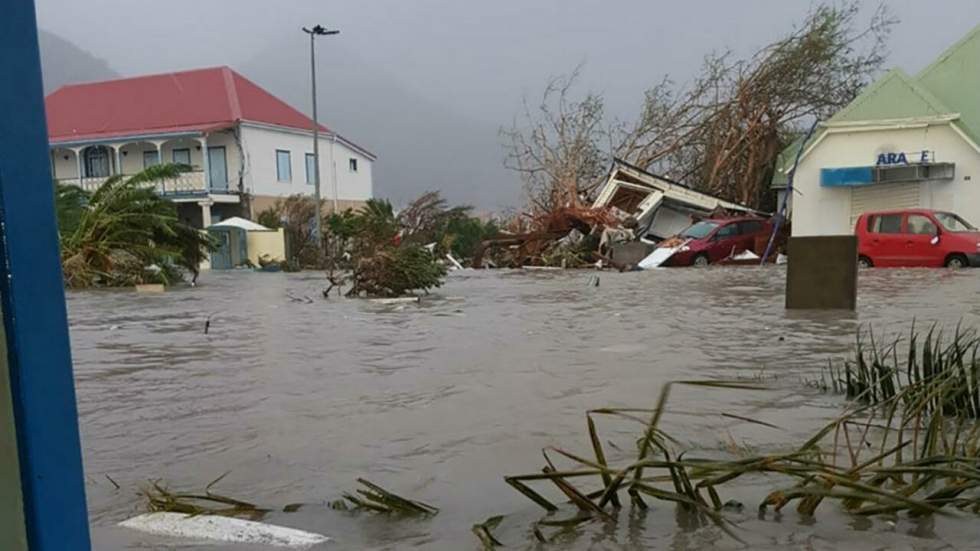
<point>883,197</point>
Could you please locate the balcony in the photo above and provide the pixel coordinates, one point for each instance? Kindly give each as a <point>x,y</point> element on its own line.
<point>188,183</point>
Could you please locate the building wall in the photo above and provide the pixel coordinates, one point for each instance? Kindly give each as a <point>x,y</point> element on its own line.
<point>61,167</point>
<point>255,167</point>
<point>821,210</point>
<point>259,203</point>
<point>233,155</point>
<point>261,179</point>
<point>131,155</point>
<point>269,243</point>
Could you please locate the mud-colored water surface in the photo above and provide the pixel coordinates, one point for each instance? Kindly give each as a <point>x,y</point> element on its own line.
<point>439,401</point>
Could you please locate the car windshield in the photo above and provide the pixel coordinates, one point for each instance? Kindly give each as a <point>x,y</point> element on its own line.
<point>699,230</point>
<point>953,222</point>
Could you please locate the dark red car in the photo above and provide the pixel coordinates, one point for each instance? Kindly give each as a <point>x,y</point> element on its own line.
<point>916,238</point>
<point>716,239</point>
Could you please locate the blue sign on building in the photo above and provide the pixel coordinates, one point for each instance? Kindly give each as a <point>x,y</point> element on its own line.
<point>847,177</point>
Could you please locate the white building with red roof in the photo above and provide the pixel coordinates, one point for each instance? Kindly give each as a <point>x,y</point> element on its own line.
<point>247,147</point>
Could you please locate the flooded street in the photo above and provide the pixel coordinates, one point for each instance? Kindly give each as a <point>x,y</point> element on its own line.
<point>439,401</point>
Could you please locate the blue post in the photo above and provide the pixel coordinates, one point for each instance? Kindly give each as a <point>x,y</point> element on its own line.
<point>33,301</point>
<point>781,213</point>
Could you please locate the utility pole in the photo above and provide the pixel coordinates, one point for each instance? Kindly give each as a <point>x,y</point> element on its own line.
<point>316,31</point>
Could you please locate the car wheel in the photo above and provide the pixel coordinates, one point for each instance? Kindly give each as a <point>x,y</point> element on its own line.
<point>956,262</point>
<point>865,262</point>
<point>701,260</point>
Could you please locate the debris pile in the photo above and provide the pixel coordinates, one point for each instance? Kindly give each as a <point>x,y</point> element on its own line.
<point>568,237</point>
<point>633,212</point>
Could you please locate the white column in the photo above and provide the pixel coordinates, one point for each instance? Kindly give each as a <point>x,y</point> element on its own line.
<point>205,163</point>
<point>116,167</point>
<point>78,163</point>
<point>205,213</point>
<point>333,168</point>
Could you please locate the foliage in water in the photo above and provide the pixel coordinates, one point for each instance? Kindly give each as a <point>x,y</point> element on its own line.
<point>908,442</point>
<point>124,233</point>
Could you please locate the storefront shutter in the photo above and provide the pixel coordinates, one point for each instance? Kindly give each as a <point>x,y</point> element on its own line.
<point>883,197</point>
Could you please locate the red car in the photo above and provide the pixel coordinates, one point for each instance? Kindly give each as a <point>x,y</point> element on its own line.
<point>716,239</point>
<point>916,238</point>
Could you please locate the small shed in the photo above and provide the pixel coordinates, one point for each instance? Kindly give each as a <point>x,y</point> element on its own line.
<point>242,242</point>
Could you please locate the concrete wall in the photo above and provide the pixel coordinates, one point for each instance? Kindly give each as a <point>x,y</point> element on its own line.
<point>270,243</point>
<point>827,210</point>
<point>131,156</point>
<point>62,167</point>
<point>259,203</point>
<point>261,179</point>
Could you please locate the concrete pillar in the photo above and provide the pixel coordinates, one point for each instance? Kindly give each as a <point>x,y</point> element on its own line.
<point>822,273</point>
<point>205,163</point>
<point>205,214</point>
<point>78,163</point>
<point>116,164</point>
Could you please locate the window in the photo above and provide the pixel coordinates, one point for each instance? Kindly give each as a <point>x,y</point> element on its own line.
<point>96,161</point>
<point>920,225</point>
<point>284,167</point>
<point>310,168</point>
<point>699,230</point>
<point>182,156</point>
<point>727,231</point>
<point>750,227</point>
<point>887,223</point>
<point>151,158</point>
<point>352,164</point>
<point>953,222</point>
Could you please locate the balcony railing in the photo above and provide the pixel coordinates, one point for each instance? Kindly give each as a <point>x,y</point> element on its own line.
<point>188,183</point>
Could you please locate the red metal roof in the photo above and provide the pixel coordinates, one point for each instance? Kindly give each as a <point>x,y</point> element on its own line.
<point>189,101</point>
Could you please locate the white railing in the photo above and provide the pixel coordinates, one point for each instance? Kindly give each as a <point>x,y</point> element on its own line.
<point>185,184</point>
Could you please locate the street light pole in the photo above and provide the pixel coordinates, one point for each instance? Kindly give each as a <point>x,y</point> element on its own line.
<point>318,30</point>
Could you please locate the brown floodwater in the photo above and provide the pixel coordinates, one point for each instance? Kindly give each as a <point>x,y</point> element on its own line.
<point>439,401</point>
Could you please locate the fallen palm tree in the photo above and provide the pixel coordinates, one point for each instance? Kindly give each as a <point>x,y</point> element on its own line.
<point>907,443</point>
<point>125,234</point>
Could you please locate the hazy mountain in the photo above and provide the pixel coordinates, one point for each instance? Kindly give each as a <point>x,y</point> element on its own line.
<point>420,145</point>
<point>64,63</point>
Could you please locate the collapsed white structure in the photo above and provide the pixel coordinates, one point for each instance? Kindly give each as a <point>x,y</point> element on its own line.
<point>661,206</point>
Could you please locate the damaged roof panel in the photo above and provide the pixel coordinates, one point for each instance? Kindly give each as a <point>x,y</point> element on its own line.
<point>624,176</point>
<point>660,205</point>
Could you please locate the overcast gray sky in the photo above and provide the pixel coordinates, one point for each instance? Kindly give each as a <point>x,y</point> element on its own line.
<point>480,57</point>
<point>471,62</point>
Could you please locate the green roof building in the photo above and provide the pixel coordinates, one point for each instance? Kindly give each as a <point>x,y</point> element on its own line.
<point>905,142</point>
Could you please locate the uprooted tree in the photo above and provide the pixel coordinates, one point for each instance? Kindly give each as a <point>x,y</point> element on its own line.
<point>376,252</point>
<point>722,133</point>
